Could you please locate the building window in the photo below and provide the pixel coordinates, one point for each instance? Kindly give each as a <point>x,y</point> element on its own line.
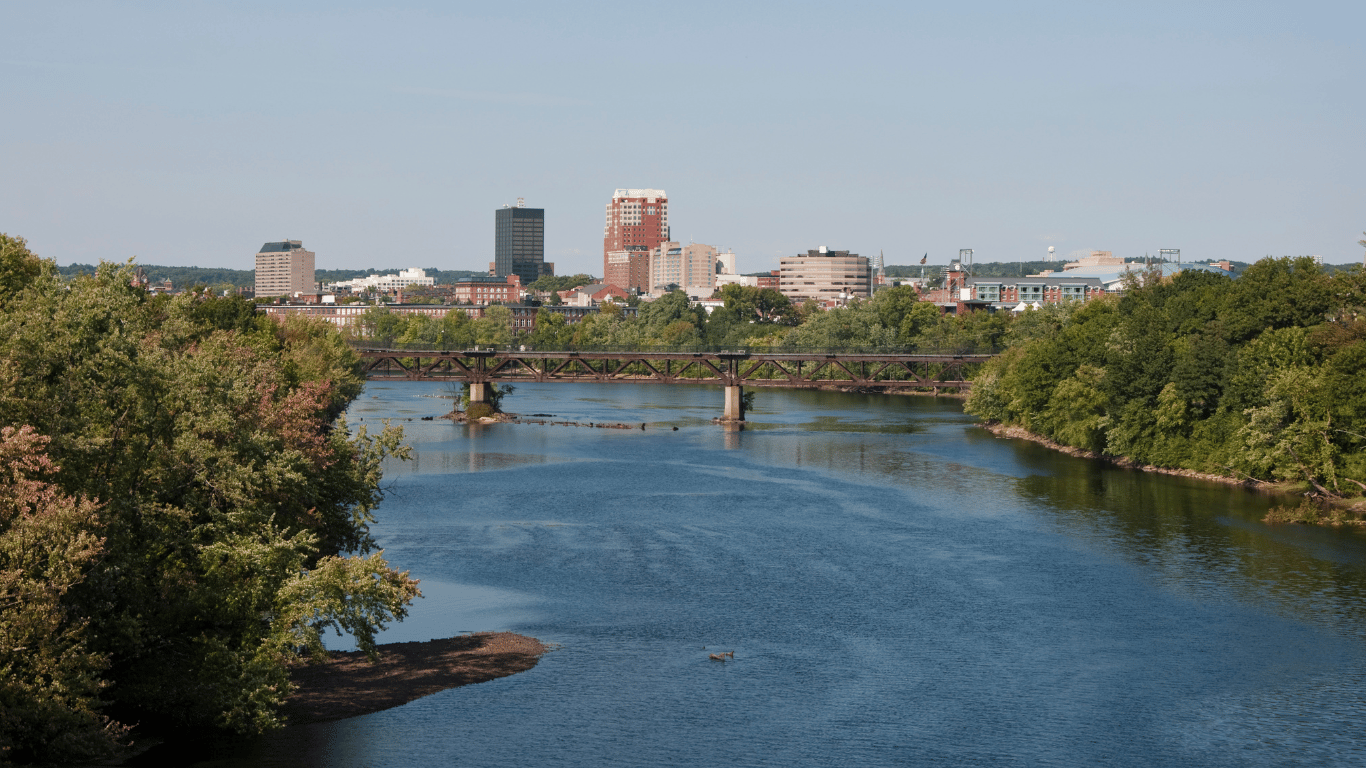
<point>990,292</point>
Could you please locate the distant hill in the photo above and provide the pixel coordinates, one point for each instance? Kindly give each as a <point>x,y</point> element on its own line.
<point>180,277</point>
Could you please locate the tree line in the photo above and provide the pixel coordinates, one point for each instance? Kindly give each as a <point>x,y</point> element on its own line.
<point>1258,378</point>
<point>183,509</point>
<point>894,319</point>
<point>220,279</point>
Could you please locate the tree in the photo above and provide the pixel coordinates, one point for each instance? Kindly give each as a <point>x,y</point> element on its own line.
<point>610,309</point>
<point>1275,293</point>
<point>494,329</point>
<point>49,706</point>
<point>551,330</point>
<point>894,303</point>
<point>666,310</point>
<point>236,504</point>
<point>18,266</point>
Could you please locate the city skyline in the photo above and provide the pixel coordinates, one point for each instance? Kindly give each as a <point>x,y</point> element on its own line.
<point>180,135</point>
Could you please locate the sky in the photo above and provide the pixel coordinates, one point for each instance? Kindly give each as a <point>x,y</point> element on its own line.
<point>385,136</point>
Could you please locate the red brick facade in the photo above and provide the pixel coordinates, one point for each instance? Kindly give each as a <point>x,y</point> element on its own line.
<point>483,290</point>
<point>637,221</point>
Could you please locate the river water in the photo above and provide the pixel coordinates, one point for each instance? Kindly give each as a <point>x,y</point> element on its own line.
<point>898,586</point>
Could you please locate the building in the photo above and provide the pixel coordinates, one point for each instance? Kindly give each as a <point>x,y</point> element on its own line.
<point>748,280</point>
<point>1097,259</point>
<point>691,268</point>
<point>519,243</point>
<point>963,292</point>
<point>593,295</point>
<point>725,263</point>
<point>284,268</point>
<point>637,223</point>
<point>487,290</point>
<point>824,275</point>
<point>1053,288</point>
<point>629,269</point>
<point>388,283</point>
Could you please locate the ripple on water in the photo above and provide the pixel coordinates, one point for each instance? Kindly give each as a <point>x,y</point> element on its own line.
<point>899,588</point>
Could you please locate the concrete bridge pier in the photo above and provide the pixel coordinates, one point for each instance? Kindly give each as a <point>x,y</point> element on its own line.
<point>480,392</point>
<point>735,403</point>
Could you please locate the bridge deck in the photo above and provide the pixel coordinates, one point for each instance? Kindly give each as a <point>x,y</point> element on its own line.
<point>883,370</point>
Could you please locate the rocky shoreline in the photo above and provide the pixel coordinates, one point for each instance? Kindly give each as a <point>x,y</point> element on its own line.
<point>1003,430</point>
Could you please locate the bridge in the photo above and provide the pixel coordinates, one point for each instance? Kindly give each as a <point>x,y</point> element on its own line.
<point>733,369</point>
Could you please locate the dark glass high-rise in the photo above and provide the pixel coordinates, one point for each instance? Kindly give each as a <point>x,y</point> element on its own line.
<point>519,243</point>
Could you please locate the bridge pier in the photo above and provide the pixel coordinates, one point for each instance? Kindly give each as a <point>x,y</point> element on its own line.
<point>480,392</point>
<point>735,403</point>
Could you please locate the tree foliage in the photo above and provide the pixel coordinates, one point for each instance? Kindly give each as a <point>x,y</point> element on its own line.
<point>205,510</point>
<point>1259,377</point>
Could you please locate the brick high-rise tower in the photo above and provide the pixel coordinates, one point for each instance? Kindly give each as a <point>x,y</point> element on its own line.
<point>637,221</point>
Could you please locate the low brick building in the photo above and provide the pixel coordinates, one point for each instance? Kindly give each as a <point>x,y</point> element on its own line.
<point>487,290</point>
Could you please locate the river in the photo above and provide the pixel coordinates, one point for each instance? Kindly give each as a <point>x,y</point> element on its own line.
<point>899,587</point>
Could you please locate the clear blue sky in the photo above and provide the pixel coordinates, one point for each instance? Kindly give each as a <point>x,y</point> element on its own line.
<point>190,133</point>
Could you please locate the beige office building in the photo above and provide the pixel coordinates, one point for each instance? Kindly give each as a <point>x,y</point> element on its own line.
<point>690,267</point>
<point>284,269</point>
<point>824,274</point>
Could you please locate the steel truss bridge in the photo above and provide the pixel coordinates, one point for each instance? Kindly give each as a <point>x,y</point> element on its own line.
<point>880,371</point>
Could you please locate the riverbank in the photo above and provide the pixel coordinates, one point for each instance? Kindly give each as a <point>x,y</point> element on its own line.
<point>1003,430</point>
<point>349,685</point>
<point>1313,510</point>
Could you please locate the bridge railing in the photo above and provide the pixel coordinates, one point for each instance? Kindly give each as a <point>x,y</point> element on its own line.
<point>392,345</point>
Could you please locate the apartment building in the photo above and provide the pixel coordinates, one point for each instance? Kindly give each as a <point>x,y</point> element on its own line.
<point>284,268</point>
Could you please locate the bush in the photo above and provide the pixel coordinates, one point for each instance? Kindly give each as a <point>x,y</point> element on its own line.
<point>1313,512</point>
<point>478,411</point>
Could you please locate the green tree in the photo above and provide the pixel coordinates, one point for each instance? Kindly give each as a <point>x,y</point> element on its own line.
<point>1276,293</point>
<point>551,331</point>
<point>18,266</point>
<point>230,491</point>
<point>49,689</point>
<point>494,329</point>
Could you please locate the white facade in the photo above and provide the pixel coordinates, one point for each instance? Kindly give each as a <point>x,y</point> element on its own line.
<point>725,263</point>
<point>750,280</point>
<point>388,283</point>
